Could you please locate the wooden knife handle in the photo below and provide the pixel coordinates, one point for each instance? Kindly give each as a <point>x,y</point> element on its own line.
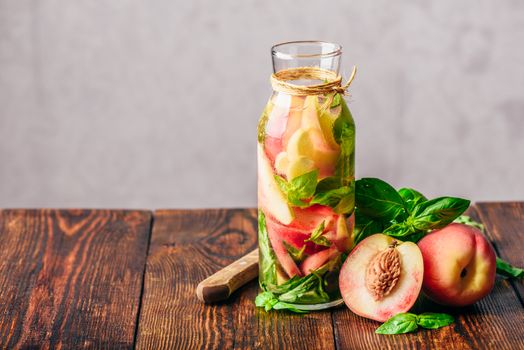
<point>223,283</point>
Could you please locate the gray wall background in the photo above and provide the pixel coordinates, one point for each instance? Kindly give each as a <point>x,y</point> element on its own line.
<point>155,103</point>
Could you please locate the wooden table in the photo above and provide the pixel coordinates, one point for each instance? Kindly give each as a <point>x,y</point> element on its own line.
<point>124,279</point>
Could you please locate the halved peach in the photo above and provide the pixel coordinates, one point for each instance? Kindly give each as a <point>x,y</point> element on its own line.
<point>381,277</point>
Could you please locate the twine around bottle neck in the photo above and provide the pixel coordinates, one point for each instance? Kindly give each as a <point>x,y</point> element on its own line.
<point>333,81</point>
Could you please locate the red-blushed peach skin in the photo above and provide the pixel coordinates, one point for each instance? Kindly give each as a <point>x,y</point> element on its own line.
<point>352,279</point>
<point>454,250</point>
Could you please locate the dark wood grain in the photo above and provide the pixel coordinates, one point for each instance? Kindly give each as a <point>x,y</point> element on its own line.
<point>71,278</point>
<point>186,247</point>
<point>493,323</point>
<point>504,224</point>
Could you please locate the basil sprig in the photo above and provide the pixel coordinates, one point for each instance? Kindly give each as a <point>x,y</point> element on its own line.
<point>296,290</point>
<point>408,322</point>
<point>405,214</point>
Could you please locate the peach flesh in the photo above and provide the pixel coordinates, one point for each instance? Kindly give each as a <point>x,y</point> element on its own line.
<point>352,279</point>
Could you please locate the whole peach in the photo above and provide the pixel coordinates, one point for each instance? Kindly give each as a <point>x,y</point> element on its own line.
<point>459,265</point>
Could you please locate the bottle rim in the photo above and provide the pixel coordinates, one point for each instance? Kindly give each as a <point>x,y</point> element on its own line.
<point>327,49</point>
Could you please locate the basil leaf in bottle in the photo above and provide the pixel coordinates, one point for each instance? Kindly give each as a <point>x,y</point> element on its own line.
<point>261,128</point>
<point>296,254</point>
<point>344,134</point>
<point>300,188</point>
<point>268,301</point>
<point>336,101</point>
<point>332,193</point>
<point>267,260</point>
<point>317,238</point>
<point>308,289</point>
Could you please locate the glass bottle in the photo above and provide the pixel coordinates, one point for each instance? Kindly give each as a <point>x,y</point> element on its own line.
<point>306,153</point>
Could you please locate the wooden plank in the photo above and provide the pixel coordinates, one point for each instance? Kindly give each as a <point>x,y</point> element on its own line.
<point>493,323</point>
<point>505,227</point>
<point>186,247</point>
<point>71,278</point>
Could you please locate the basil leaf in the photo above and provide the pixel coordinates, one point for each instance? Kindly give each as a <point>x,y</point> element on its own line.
<point>286,306</point>
<point>296,254</point>
<point>438,212</point>
<point>406,231</point>
<point>261,128</point>
<point>506,269</point>
<point>431,320</point>
<point>344,134</point>
<point>346,205</point>
<point>328,183</point>
<point>466,220</point>
<point>267,260</point>
<point>376,199</point>
<point>365,226</point>
<point>336,101</point>
<point>300,188</point>
<point>411,198</point>
<point>401,229</point>
<point>306,290</point>
<point>331,198</point>
<point>399,324</point>
<point>342,199</point>
<point>317,238</point>
<point>408,322</point>
<point>268,301</point>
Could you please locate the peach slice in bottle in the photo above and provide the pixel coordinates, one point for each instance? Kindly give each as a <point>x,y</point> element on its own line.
<point>293,236</point>
<point>317,260</point>
<point>310,218</point>
<point>285,260</point>
<point>341,237</point>
<point>381,277</point>
<point>310,143</point>
<point>295,106</point>
<point>270,197</point>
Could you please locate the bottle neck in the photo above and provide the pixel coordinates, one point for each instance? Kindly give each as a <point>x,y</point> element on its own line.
<point>306,54</point>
